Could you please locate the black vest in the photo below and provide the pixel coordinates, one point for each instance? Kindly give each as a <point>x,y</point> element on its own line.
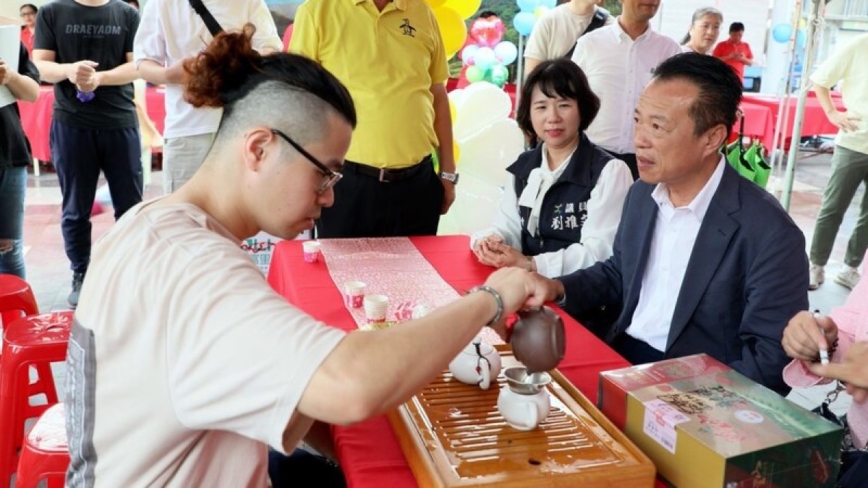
<point>565,205</point>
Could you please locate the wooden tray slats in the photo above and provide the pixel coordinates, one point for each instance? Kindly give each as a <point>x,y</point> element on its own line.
<point>453,436</point>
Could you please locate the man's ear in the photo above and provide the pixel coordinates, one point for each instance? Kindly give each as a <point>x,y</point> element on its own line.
<point>714,139</point>
<point>256,147</point>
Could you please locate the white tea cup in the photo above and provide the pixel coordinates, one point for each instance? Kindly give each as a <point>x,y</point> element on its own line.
<point>311,251</point>
<point>376,307</point>
<point>354,293</point>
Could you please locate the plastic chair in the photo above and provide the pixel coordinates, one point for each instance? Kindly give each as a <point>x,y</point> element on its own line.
<point>37,340</point>
<point>16,299</point>
<point>45,454</point>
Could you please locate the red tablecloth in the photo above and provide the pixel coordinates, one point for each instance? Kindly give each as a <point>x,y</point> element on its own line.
<point>814,123</point>
<point>36,117</point>
<point>369,451</point>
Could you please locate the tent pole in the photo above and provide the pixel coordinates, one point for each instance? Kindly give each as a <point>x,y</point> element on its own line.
<point>813,22</point>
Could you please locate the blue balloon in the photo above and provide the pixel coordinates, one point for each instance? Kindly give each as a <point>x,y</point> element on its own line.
<point>782,32</point>
<point>549,3</point>
<point>524,22</point>
<point>801,38</point>
<point>527,5</point>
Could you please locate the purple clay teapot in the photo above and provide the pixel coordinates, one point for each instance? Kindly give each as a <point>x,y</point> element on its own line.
<point>538,340</point>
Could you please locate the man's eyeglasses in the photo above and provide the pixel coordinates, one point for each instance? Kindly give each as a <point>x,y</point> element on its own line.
<point>331,177</point>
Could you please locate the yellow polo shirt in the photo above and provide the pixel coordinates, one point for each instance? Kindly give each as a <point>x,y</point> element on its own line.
<point>388,60</point>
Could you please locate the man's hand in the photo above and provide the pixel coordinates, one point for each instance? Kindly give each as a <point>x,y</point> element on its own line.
<point>82,74</point>
<point>844,121</point>
<point>853,371</point>
<point>5,73</point>
<point>175,72</point>
<point>805,335</point>
<point>448,195</point>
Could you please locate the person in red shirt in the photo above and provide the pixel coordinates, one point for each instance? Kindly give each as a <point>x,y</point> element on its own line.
<point>733,52</point>
<point>27,12</point>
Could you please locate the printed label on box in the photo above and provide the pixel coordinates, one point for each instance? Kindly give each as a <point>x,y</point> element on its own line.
<point>660,421</point>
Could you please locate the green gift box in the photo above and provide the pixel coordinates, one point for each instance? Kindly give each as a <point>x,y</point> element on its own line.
<point>616,383</point>
<point>723,430</point>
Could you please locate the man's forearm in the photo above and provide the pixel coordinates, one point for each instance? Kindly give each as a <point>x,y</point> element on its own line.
<point>50,71</point>
<point>154,72</point>
<point>443,128</point>
<point>120,75</point>
<point>23,87</point>
<point>824,96</point>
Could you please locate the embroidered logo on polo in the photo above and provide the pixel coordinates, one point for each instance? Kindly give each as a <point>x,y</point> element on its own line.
<point>408,29</point>
<point>567,217</point>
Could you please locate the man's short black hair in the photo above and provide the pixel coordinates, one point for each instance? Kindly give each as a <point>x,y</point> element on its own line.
<point>719,86</point>
<point>736,27</point>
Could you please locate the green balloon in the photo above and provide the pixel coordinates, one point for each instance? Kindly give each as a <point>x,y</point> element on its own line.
<point>499,74</point>
<point>474,74</point>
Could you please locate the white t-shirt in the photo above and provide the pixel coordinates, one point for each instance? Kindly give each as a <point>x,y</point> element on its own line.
<point>618,68</point>
<point>556,32</point>
<point>598,231</point>
<point>170,30</point>
<point>183,364</point>
<point>849,64</point>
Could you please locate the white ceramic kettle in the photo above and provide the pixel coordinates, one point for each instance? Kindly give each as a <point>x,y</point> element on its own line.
<point>477,364</point>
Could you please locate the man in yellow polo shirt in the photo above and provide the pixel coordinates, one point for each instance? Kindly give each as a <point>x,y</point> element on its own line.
<point>390,56</point>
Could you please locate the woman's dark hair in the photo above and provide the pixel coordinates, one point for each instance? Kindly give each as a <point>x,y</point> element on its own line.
<point>719,87</point>
<point>229,69</point>
<point>557,78</point>
<point>31,6</point>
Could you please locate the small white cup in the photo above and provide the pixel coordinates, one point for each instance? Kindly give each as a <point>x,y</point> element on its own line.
<point>311,251</point>
<point>376,307</point>
<point>523,412</point>
<point>354,293</point>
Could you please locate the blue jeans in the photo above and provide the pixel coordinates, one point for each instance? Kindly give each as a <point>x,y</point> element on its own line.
<point>13,184</point>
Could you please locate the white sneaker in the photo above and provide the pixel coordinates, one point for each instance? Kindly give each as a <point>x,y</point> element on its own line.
<point>817,277</point>
<point>847,277</point>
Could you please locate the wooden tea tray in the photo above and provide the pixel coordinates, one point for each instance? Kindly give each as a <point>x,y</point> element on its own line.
<point>453,436</point>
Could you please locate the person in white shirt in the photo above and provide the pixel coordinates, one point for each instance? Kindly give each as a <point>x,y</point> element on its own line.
<point>562,203</point>
<point>704,261</point>
<point>704,31</point>
<point>619,60</point>
<point>555,33</point>
<point>184,366</point>
<point>170,31</point>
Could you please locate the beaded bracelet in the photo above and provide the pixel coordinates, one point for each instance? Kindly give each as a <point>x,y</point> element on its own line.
<point>497,298</point>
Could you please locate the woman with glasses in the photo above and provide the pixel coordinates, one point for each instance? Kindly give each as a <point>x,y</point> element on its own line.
<point>704,31</point>
<point>27,12</point>
<point>216,366</point>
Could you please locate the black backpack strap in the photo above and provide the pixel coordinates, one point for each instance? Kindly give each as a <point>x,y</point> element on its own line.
<point>598,20</point>
<point>210,22</point>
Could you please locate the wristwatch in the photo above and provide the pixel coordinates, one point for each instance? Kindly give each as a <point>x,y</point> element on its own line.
<point>453,177</point>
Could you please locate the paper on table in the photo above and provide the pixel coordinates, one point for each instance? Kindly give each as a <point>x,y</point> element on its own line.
<point>10,44</point>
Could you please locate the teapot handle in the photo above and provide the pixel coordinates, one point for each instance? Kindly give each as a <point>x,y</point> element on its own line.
<point>533,414</point>
<point>484,371</point>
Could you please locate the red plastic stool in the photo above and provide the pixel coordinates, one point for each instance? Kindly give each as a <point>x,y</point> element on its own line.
<point>45,455</point>
<point>37,340</point>
<point>16,299</point>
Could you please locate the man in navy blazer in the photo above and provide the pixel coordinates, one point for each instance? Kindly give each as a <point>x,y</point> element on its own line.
<point>704,260</point>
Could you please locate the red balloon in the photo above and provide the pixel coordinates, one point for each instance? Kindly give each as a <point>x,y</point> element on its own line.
<point>487,32</point>
<point>287,35</point>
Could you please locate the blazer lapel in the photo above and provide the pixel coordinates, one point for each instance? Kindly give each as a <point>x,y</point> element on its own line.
<point>712,241</point>
<point>645,223</point>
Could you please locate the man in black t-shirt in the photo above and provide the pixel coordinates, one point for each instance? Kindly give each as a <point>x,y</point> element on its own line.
<point>85,48</point>
<point>14,158</point>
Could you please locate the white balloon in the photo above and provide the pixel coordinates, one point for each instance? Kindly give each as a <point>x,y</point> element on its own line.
<point>476,203</point>
<point>456,96</point>
<point>482,105</point>
<point>487,153</point>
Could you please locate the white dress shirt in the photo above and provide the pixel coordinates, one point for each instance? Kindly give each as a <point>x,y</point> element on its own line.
<point>618,68</point>
<point>598,232</point>
<point>675,233</point>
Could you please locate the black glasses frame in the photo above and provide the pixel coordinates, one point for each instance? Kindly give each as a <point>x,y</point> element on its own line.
<point>332,176</point>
